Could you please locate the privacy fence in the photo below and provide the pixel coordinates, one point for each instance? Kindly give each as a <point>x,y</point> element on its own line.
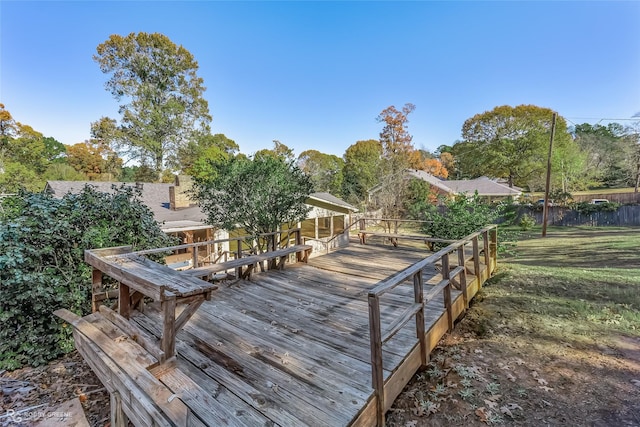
<point>624,216</point>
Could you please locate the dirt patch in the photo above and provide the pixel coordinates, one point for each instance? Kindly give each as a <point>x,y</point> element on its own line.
<point>29,394</point>
<point>494,374</point>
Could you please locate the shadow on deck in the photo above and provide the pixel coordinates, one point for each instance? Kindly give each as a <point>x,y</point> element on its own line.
<point>290,347</point>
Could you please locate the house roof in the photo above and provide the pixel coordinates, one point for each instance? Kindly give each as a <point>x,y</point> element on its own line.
<point>483,185</point>
<point>332,200</point>
<point>432,180</point>
<point>154,196</point>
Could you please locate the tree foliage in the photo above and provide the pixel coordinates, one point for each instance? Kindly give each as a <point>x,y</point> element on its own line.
<point>197,155</point>
<point>258,195</point>
<point>362,169</point>
<point>94,159</point>
<point>397,148</point>
<point>463,215</point>
<point>163,106</point>
<point>42,243</point>
<point>509,142</point>
<point>325,170</point>
<point>610,153</point>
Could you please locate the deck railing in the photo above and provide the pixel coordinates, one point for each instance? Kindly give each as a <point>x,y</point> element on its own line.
<point>456,277</point>
<point>210,251</point>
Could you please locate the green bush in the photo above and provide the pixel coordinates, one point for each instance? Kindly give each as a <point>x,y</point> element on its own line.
<point>586,208</point>
<point>527,222</point>
<point>463,216</point>
<point>42,269</point>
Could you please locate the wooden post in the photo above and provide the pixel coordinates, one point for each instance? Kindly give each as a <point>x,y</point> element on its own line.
<point>124,300</point>
<point>375,337</point>
<point>463,275</point>
<point>476,260</point>
<point>363,224</point>
<point>487,253</point>
<point>545,208</point>
<point>238,256</point>
<point>317,231</point>
<point>118,417</point>
<point>96,287</point>
<point>168,340</point>
<point>420,327</point>
<point>447,290</point>
<point>195,257</point>
<point>493,236</point>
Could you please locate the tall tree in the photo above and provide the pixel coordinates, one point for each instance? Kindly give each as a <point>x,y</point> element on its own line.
<point>163,104</point>
<point>396,140</point>
<point>325,170</point>
<point>397,148</point>
<point>362,170</point>
<point>508,142</point>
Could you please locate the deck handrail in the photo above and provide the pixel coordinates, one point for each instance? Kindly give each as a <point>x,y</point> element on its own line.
<point>416,310</point>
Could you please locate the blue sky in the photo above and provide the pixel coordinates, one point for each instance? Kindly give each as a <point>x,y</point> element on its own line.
<point>315,75</point>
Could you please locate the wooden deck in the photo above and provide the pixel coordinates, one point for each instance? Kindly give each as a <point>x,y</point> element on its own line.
<point>290,347</point>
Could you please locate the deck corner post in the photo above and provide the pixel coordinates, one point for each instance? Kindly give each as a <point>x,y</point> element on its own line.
<point>487,252</point>
<point>476,260</point>
<point>446,274</point>
<point>375,336</point>
<point>463,276</point>
<point>118,416</point>
<point>420,326</point>
<point>493,240</point>
<point>168,340</point>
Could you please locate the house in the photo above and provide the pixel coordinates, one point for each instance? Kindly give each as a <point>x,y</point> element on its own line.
<point>489,189</point>
<point>180,216</point>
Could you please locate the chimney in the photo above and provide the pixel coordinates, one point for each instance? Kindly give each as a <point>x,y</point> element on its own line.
<point>179,193</point>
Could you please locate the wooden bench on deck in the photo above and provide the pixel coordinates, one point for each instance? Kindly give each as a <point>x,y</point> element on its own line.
<point>140,277</point>
<point>279,256</point>
<point>393,237</point>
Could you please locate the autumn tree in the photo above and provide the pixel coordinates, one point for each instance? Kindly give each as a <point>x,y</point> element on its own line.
<point>162,107</point>
<point>94,159</point>
<point>397,147</point>
<point>362,170</point>
<point>424,160</point>
<point>8,129</point>
<point>508,142</point>
<point>325,170</point>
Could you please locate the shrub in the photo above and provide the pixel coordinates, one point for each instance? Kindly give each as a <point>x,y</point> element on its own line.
<point>463,216</point>
<point>527,222</point>
<point>42,269</point>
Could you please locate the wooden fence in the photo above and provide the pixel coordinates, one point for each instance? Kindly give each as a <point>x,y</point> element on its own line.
<point>624,216</point>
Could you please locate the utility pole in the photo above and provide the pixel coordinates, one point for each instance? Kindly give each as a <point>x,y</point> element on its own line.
<point>545,208</point>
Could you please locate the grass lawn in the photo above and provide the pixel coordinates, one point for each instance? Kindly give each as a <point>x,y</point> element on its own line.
<point>552,339</point>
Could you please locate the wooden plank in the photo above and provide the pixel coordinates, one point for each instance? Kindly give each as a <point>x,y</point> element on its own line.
<point>187,313</point>
<point>207,408</point>
<point>150,344</point>
<point>260,377</point>
<point>146,391</point>
<point>377,377</point>
<point>243,413</point>
<point>401,321</point>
